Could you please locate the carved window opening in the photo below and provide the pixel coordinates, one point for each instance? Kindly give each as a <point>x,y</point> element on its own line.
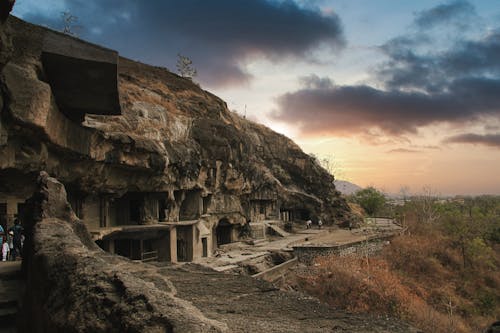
<point>224,232</point>
<point>184,243</point>
<point>190,207</point>
<point>206,203</point>
<point>135,210</point>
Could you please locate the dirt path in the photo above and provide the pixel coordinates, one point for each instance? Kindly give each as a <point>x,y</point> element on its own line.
<point>251,305</point>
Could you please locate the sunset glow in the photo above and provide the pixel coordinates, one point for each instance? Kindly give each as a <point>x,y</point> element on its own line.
<point>397,93</point>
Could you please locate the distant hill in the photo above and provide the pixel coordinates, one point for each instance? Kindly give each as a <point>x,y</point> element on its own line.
<point>346,188</point>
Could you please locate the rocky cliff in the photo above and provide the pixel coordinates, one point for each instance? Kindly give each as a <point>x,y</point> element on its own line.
<point>74,286</point>
<point>170,135</point>
<point>107,125</point>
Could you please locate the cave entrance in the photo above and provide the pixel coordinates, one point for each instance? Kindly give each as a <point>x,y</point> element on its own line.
<point>191,206</point>
<point>204,244</point>
<point>286,215</point>
<point>303,214</point>
<point>224,232</point>
<point>134,215</point>
<point>11,208</point>
<point>163,209</point>
<point>137,244</point>
<point>3,215</point>
<point>294,214</point>
<point>130,248</point>
<point>185,243</point>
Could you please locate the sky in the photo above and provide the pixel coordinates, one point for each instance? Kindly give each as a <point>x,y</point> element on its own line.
<point>395,94</point>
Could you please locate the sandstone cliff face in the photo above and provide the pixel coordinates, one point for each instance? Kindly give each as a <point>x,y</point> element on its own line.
<point>74,286</point>
<point>171,135</point>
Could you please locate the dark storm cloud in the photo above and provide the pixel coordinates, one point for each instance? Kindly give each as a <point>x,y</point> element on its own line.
<point>417,88</point>
<point>219,36</point>
<point>491,140</point>
<point>347,109</point>
<point>407,69</point>
<point>455,12</point>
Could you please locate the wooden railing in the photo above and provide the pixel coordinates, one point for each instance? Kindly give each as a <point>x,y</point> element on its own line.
<point>149,256</point>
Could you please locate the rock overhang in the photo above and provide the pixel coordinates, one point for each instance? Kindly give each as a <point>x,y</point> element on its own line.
<point>83,76</point>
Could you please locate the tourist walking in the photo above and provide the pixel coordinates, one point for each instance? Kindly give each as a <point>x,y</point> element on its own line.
<point>308,224</point>
<point>320,224</point>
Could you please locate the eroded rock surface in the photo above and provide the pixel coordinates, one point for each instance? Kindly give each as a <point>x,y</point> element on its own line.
<point>73,286</point>
<point>172,135</point>
<point>76,287</point>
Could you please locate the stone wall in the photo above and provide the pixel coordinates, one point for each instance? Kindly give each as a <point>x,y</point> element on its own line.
<point>307,253</point>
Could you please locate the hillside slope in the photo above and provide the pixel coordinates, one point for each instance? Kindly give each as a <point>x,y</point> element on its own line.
<point>345,187</point>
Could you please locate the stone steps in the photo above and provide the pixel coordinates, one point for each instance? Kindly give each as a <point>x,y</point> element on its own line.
<point>11,286</point>
<point>8,313</point>
<point>277,229</point>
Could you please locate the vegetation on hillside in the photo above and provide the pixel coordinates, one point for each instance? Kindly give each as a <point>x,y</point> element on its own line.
<point>441,274</point>
<point>185,67</point>
<point>371,200</point>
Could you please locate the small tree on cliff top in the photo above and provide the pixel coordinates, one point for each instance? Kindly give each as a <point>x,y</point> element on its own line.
<point>185,67</point>
<point>69,24</point>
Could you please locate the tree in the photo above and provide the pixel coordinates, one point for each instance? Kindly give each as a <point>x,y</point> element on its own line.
<point>371,200</point>
<point>469,225</point>
<point>426,208</point>
<point>185,67</point>
<point>330,164</point>
<point>69,24</point>
<point>404,192</point>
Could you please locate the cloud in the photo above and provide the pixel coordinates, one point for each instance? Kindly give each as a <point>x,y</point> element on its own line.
<point>431,147</point>
<point>455,12</point>
<point>491,140</point>
<point>433,72</point>
<point>219,36</point>
<point>313,81</point>
<point>419,85</point>
<point>403,151</point>
<point>353,109</point>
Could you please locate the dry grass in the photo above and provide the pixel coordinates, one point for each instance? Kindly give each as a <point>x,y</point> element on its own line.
<point>418,279</point>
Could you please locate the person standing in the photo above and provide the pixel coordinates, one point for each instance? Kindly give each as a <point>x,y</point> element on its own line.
<point>5,248</point>
<point>2,234</point>
<point>320,224</point>
<point>10,244</point>
<point>17,231</point>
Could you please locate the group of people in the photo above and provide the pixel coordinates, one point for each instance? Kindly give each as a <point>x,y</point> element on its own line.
<point>309,224</point>
<point>11,243</point>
